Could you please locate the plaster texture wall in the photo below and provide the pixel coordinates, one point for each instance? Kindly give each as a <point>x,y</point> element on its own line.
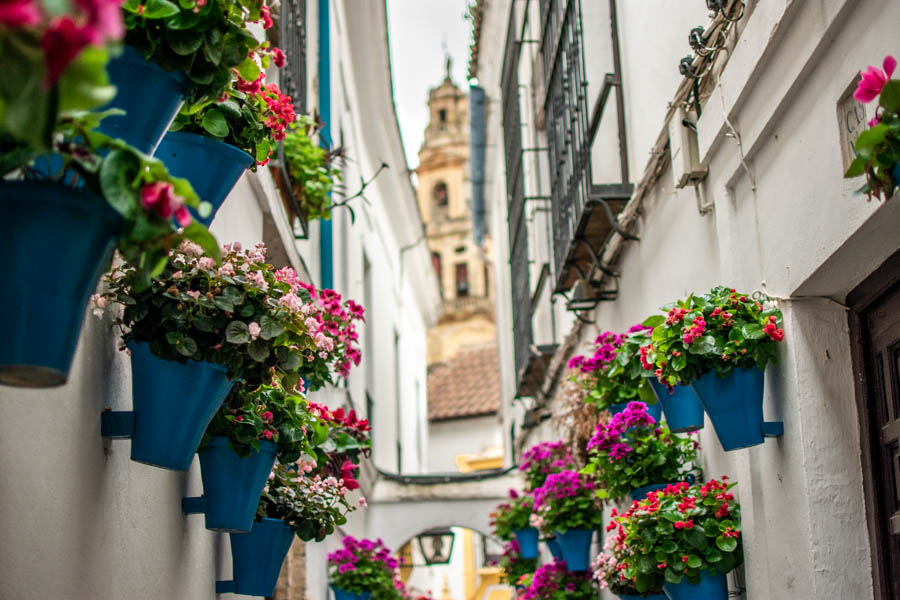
<point>784,222</point>
<point>449,439</point>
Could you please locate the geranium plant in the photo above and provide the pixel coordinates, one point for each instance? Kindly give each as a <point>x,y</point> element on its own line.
<point>363,566</point>
<point>311,505</point>
<point>614,375</point>
<point>633,450</point>
<point>718,331</point>
<point>207,40</point>
<point>253,117</point>
<point>568,500</point>
<point>347,443</point>
<point>512,516</point>
<point>512,563</point>
<point>680,532</point>
<point>311,168</point>
<point>542,459</point>
<point>553,581</point>
<point>54,64</point>
<point>244,314</point>
<point>878,148</point>
<point>268,413</point>
<point>608,566</point>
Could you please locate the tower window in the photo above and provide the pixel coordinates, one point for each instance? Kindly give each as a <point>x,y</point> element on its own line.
<point>436,261</point>
<point>440,196</point>
<point>442,115</point>
<point>462,280</point>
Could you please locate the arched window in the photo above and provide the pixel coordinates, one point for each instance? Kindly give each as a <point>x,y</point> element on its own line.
<point>440,196</point>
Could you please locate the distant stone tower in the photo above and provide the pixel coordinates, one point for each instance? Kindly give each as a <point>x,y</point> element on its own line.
<point>444,193</point>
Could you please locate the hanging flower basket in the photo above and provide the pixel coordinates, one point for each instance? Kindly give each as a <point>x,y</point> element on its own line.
<point>654,410</point>
<point>212,167</point>
<point>576,548</point>
<point>150,97</point>
<point>56,240</point>
<point>555,548</point>
<point>735,407</point>
<point>712,586</point>
<point>641,492</point>
<point>681,407</point>
<point>256,557</point>
<point>232,484</point>
<point>173,404</point>
<point>528,541</point>
<point>340,594</point>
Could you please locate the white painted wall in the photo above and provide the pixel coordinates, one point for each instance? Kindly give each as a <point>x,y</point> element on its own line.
<point>449,439</point>
<point>795,225</point>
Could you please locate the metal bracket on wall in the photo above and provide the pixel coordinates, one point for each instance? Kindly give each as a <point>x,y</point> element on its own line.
<point>117,425</point>
<point>193,506</point>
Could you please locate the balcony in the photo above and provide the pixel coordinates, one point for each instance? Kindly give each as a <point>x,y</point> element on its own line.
<point>584,213</point>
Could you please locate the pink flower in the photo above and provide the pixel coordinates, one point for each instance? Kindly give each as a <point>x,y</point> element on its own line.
<point>278,57</point>
<point>254,330</point>
<point>104,19</point>
<point>160,197</point>
<point>19,13</point>
<point>362,502</point>
<point>266,416</point>
<point>61,43</point>
<point>267,434</point>
<point>873,80</point>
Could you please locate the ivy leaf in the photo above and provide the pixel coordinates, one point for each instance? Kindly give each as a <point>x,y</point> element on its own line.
<point>237,333</point>
<point>214,123</point>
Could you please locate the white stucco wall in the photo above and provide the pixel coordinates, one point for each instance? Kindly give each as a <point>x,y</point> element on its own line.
<point>449,439</point>
<point>794,227</point>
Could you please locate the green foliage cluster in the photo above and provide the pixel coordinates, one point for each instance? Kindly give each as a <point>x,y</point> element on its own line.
<point>878,148</point>
<point>512,515</point>
<point>624,379</point>
<point>311,168</point>
<point>205,40</point>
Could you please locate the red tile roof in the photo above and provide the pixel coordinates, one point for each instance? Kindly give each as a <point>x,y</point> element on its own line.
<point>467,385</point>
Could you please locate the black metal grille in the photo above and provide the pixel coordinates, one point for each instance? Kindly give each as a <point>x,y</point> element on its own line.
<point>292,40</point>
<point>515,194</point>
<point>567,120</point>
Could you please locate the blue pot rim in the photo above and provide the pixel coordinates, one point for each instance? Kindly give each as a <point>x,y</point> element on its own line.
<point>197,139</point>
<point>222,440</point>
<point>217,366</point>
<point>131,55</point>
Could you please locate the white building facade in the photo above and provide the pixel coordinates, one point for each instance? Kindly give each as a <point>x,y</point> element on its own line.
<point>79,519</point>
<point>759,204</point>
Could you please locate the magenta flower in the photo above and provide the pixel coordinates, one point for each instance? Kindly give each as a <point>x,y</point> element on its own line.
<point>19,13</point>
<point>873,80</point>
<point>160,197</point>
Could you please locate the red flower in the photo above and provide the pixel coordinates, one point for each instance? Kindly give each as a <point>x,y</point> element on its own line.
<point>19,13</point>
<point>689,524</point>
<point>348,471</point>
<point>161,198</point>
<point>61,43</point>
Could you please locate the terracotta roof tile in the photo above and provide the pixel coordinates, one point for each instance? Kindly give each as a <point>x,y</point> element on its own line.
<point>467,385</point>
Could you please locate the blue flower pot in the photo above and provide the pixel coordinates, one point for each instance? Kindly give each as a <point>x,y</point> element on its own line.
<point>735,407</point>
<point>681,407</point>
<point>712,586</point>
<point>641,492</point>
<point>173,404</point>
<point>576,548</point>
<point>555,548</point>
<point>212,167</point>
<point>233,484</point>
<point>528,542</point>
<point>149,96</point>
<point>654,410</point>
<point>650,597</point>
<point>55,242</point>
<point>340,594</point>
<point>256,557</point>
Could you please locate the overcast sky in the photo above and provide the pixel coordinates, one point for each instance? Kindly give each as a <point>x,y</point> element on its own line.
<point>421,32</point>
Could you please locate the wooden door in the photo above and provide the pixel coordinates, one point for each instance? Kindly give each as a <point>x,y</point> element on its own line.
<point>875,325</point>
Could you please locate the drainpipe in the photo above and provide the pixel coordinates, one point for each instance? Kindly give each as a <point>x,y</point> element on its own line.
<point>620,95</point>
<point>326,247</point>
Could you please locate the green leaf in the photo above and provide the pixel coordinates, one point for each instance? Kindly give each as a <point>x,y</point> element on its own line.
<point>287,358</point>
<point>224,304</point>
<point>679,362</point>
<point>270,328</point>
<point>695,536</point>
<point>868,139</point>
<point>184,42</point>
<point>856,168</point>
<point>752,331</point>
<point>214,123</point>
<point>84,84</point>
<point>890,96</point>
<point>259,350</point>
<point>117,174</point>
<point>726,544</point>
<point>653,321</point>
<point>204,324</point>
<point>248,70</point>
<point>694,561</point>
<point>174,337</point>
<point>236,332</point>
<point>188,346</point>
<point>157,9</point>
<point>672,576</point>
